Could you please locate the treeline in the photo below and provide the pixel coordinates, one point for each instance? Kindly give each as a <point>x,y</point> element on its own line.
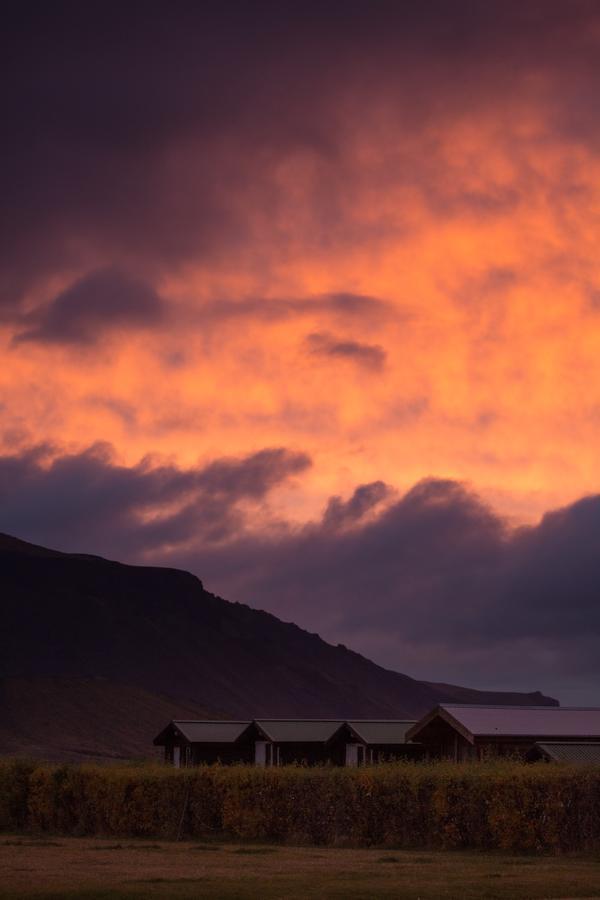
<point>509,806</point>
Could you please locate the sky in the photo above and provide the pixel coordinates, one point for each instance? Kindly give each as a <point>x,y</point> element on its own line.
<point>305,298</point>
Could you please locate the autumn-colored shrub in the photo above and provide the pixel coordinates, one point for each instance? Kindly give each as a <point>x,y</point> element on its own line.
<point>15,777</point>
<point>501,805</point>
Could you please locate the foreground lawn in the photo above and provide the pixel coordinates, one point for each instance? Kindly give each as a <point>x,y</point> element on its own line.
<point>94,868</point>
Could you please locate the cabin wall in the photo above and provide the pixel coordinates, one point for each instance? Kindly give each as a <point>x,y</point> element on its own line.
<point>522,747</point>
<point>178,752</point>
<point>309,754</point>
<point>504,748</point>
<point>441,741</point>
<point>226,754</point>
<point>381,753</point>
<point>208,754</point>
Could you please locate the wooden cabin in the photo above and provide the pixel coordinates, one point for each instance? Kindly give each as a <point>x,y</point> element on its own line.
<point>304,741</point>
<point>275,742</point>
<point>191,743</point>
<point>468,731</point>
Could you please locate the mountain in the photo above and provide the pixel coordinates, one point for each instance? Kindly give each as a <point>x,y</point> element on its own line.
<point>96,656</point>
<point>62,718</point>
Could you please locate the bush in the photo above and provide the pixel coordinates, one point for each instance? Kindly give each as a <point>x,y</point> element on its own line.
<point>15,779</point>
<point>495,805</point>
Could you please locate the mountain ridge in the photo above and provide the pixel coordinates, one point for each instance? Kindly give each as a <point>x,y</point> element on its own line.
<point>81,626</point>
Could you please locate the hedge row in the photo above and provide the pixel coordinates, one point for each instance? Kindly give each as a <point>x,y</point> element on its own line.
<point>507,806</point>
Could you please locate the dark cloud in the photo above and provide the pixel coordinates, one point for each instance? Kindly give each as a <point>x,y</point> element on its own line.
<point>433,582</point>
<point>86,309</point>
<point>146,135</point>
<point>109,299</point>
<point>253,477</point>
<point>337,305</point>
<point>370,356</point>
<point>341,514</point>
<point>137,509</point>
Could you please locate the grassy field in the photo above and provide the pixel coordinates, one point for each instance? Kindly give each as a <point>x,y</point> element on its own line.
<point>94,868</point>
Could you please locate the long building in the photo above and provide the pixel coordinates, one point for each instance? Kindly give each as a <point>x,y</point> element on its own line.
<point>272,742</point>
<point>460,732</point>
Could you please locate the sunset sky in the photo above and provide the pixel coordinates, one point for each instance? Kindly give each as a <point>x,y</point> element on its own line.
<point>305,298</point>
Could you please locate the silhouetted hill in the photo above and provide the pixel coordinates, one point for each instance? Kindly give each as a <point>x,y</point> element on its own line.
<point>83,718</point>
<point>116,650</point>
<point>508,698</point>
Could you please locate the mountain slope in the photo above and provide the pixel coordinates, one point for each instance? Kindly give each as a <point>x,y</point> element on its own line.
<point>83,718</point>
<point>114,630</point>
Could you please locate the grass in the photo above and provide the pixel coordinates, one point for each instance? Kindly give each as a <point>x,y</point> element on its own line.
<point>99,869</point>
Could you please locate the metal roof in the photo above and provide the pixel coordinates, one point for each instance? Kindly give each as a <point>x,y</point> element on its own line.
<point>570,751</point>
<point>381,731</point>
<point>370,731</point>
<point>518,721</point>
<point>299,730</point>
<point>202,732</point>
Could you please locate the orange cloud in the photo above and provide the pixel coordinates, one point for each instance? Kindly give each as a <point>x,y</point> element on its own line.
<point>451,254</point>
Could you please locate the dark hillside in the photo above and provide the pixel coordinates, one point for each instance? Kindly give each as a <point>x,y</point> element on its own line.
<point>83,718</point>
<point>115,630</point>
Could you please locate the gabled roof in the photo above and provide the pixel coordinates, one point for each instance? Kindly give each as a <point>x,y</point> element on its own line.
<point>570,751</point>
<point>204,732</point>
<point>299,730</point>
<point>473,721</point>
<point>381,731</point>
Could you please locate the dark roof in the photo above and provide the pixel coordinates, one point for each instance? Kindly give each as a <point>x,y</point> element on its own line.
<point>205,732</point>
<point>369,731</point>
<point>473,720</point>
<point>381,731</point>
<point>570,751</point>
<point>299,730</point>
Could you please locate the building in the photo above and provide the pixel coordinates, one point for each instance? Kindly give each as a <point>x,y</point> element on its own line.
<point>272,742</point>
<point>308,741</point>
<point>190,743</point>
<point>469,731</point>
<point>459,732</point>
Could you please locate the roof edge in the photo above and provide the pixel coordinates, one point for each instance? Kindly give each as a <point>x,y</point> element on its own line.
<point>441,712</point>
